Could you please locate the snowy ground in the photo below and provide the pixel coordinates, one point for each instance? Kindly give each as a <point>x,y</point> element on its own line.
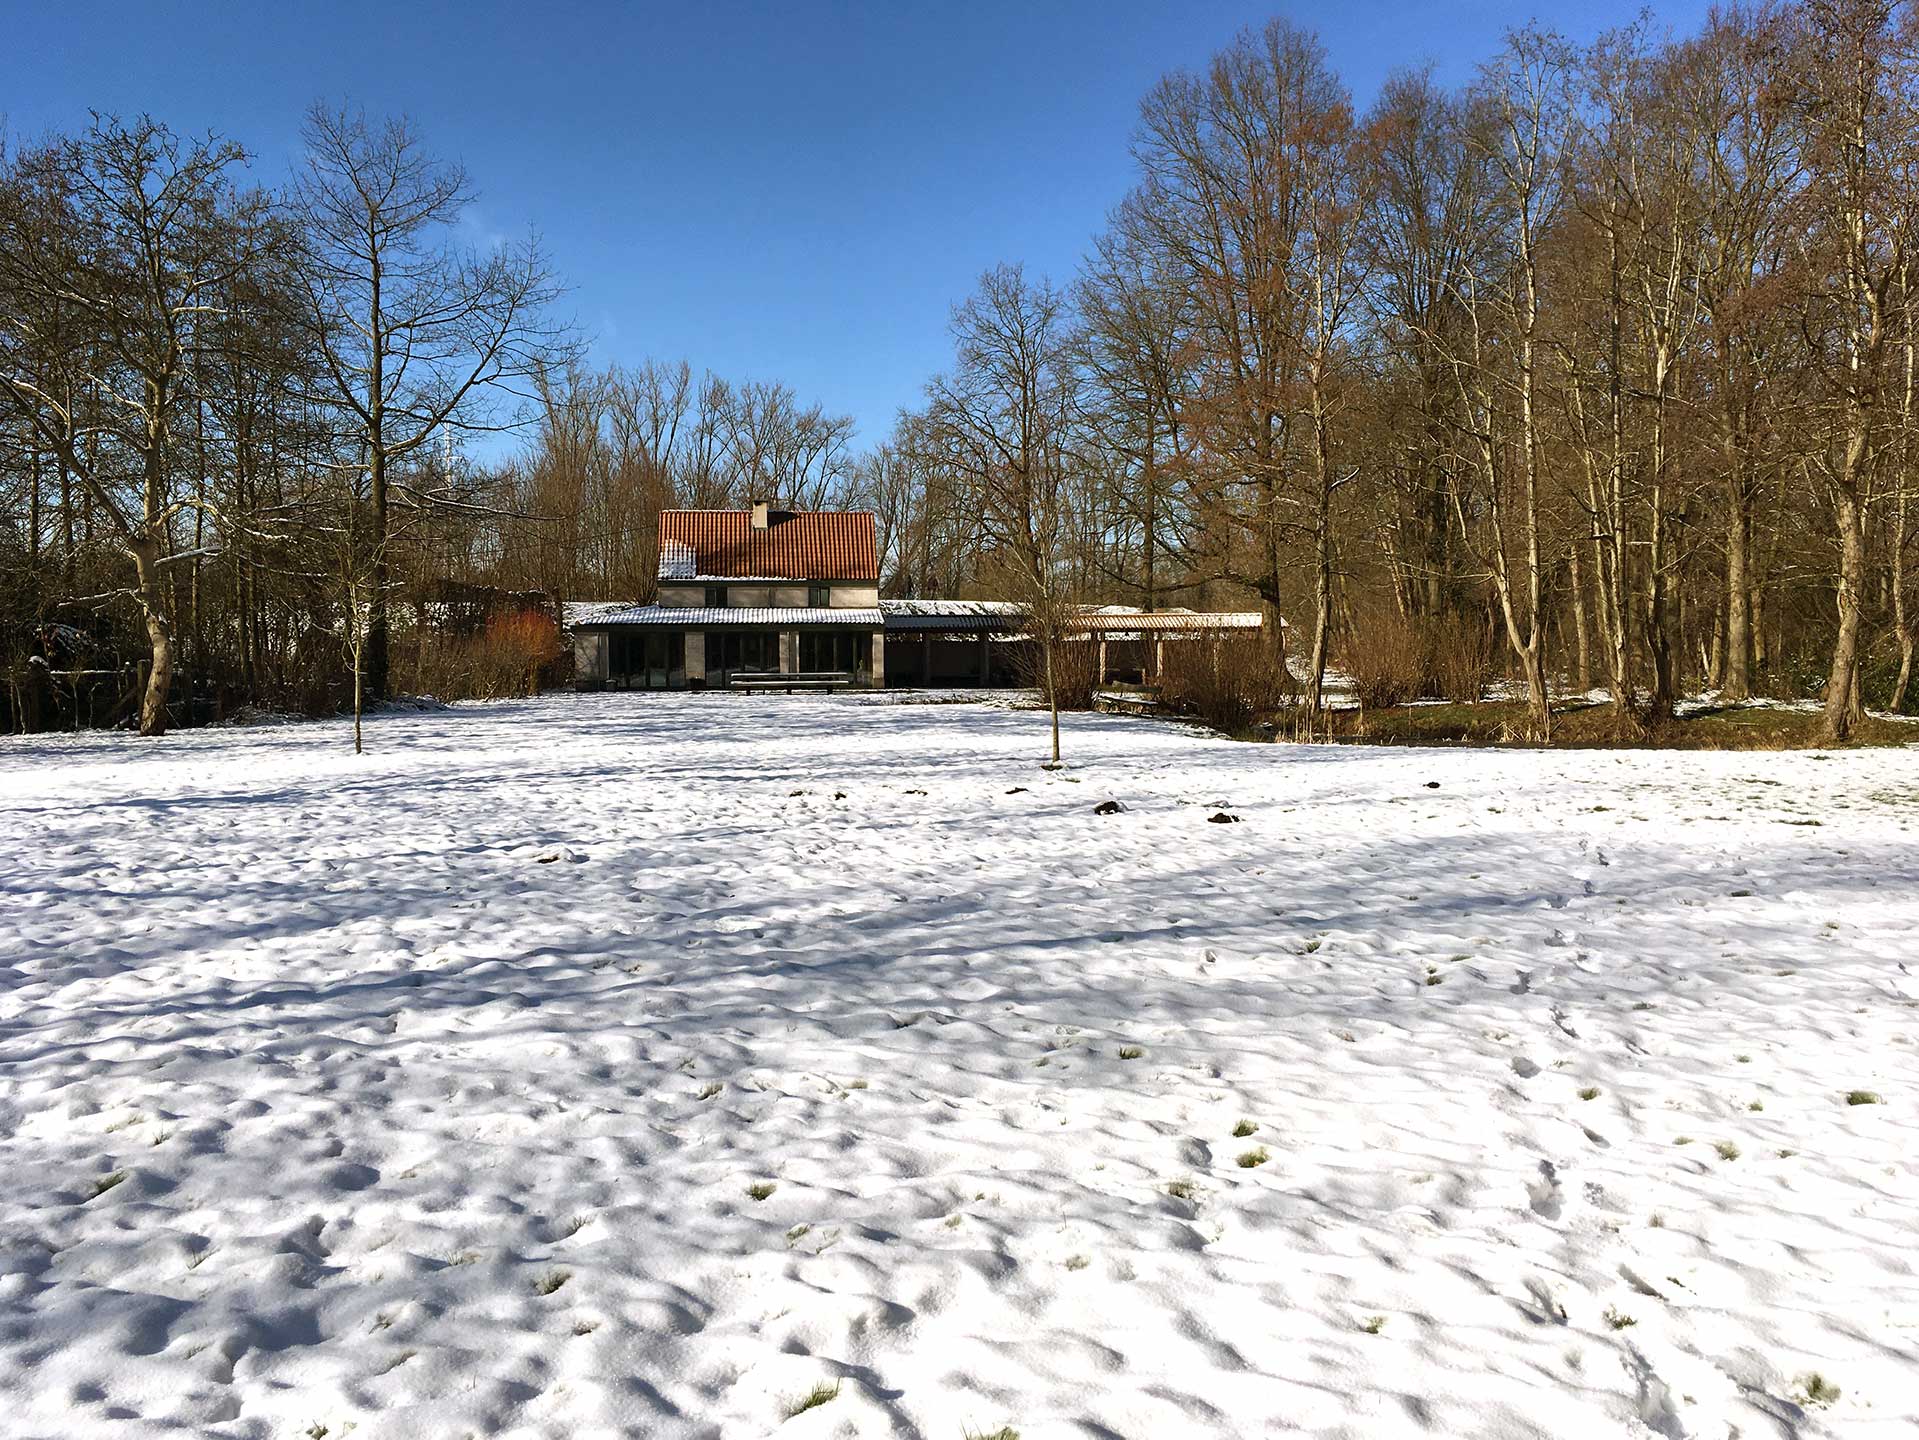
<point>420,1095</point>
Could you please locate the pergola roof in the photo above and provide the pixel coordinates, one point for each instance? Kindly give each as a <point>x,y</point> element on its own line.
<point>998,616</point>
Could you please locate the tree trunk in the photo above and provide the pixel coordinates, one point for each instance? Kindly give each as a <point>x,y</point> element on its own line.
<point>376,639</point>
<point>146,564</point>
<point>1902,619</point>
<point>1322,553</point>
<point>1052,698</point>
<point>1736,667</point>
<point>1585,675</point>
<point>1842,699</point>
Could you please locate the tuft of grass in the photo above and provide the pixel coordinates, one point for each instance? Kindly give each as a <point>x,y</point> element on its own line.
<point>710,1089</point>
<point>551,1281</point>
<point>760,1189</point>
<point>1130,1052</point>
<point>105,1183</point>
<point>1077,1262</point>
<point>1433,977</point>
<point>1817,1389</point>
<point>1589,1092</point>
<point>819,1395</point>
<point>1005,1432</point>
<point>1243,1129</point>
<point>1618,1319</point>
<point>1863,1097</point>
<point>1373,1324</point>
<point>1252,1158</point>
<point>1182,1189</point>
<point>1755,1105</point>
<point>1312,948</point>
<point>1725,1149</point>
<point>796,1234</point>
<point>585,1327</point>
<point>1658,1221</point>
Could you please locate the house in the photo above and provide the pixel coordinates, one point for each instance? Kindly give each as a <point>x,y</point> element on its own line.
<point>746,596</point>
<point>777,599</point>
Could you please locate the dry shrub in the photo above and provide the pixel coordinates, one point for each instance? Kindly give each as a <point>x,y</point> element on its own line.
<point>1460,658</point>
<point>1393,658</point>
<point>1075,671</point>
<point>1226,681</point>
<point>1384,654</point>
<point>506,658</point>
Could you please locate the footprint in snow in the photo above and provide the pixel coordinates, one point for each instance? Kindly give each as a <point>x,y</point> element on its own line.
<point>1543,1194</point>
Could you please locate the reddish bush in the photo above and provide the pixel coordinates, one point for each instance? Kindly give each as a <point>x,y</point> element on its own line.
<point>505,658</point>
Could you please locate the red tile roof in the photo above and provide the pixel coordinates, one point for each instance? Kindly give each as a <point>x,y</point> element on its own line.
<point>722,544</point>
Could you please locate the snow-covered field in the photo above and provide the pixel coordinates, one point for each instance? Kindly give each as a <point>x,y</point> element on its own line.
<point>631,1065</point>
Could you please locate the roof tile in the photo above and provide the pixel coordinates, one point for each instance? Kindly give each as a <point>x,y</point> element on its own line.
<point>723,545</point>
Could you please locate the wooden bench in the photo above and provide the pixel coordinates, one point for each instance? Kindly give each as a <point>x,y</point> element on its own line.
<point>820,680</point>
<point>1128,704</point>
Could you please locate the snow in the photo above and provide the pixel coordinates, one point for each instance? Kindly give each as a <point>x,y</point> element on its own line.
<point>420,1095</point>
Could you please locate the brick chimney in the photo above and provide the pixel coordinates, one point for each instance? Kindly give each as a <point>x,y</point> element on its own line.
<point>761,513</point>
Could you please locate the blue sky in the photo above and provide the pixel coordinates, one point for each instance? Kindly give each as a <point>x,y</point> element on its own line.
<point>773,191</point>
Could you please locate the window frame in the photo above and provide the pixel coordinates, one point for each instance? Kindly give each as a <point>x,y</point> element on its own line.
<point>715,597</point>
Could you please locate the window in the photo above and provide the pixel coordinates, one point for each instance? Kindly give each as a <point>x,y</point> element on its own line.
<point>835,652</point>
<point>745,652</point>
<point>819,596</point>
<point>716,597</point>
<point>647,660</point>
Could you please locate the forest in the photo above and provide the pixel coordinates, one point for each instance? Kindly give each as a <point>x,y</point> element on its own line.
<point>1593,376</point>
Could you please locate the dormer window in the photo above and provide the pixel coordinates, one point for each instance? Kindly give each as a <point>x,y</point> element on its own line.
<point>716,597</point>
<point>819,596</point>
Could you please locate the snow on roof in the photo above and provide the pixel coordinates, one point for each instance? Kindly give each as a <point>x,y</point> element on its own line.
<point>1110,620</point>
<point>966,608</point>
<point>678,560</point>
<point>700,617</point>
<point>585,612</point>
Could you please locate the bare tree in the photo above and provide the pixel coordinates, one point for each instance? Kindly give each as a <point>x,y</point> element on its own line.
<point>1004,421</point>
<point>418,334</point>
<point>116,250</point>
<point>1522,127</point>
<point>1861,118</point>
